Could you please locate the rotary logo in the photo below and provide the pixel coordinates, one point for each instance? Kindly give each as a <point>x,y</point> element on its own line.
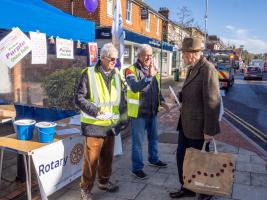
<point>76,154</point>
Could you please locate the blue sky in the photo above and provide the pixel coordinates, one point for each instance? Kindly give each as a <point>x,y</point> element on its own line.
<point>239,22</point>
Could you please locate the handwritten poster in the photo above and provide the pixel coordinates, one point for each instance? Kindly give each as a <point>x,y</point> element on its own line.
<point>39,48</point>
<point>64,48</point>
<point>14,47</point>
<point>92,53</point>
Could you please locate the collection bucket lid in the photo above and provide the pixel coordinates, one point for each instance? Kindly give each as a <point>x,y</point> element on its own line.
<point>25,122</point>
<point>45,124</point>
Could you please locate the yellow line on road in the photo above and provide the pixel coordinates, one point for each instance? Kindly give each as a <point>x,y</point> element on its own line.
<point>248,126</point>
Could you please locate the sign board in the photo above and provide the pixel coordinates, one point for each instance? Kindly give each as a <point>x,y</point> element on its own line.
<point>93,53</point>
<point>14,47</point>
<point>39,48</point>
<point>64,48</point>
<point>144,13</point>
<point>58,164</point>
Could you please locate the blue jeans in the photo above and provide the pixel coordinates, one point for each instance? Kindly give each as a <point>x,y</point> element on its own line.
<point>138,128</point>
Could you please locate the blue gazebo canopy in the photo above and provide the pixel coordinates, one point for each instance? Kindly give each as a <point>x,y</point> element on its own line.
<point>33,15</point>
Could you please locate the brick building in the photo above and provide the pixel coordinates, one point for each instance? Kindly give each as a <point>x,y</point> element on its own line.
<point>137,30</point>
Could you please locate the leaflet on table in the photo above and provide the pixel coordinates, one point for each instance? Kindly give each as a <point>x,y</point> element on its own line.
<point>75,120</point>
<point>105,116</point>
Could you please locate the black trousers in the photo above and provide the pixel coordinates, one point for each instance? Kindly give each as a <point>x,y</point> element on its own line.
<point>183,143</point>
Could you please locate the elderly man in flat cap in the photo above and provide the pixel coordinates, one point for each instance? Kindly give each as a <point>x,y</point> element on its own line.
<point>200,98</point>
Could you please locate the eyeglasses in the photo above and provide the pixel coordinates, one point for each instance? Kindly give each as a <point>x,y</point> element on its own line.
<point>148,56</point>
<point>111,59</point>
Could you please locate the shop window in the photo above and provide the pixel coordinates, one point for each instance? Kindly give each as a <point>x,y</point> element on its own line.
<point>129,11</point>
<point>157,25</point>
<point>148,23</point>
<point>127,55</point>
<point>110,7</point>
<point>164,57</point>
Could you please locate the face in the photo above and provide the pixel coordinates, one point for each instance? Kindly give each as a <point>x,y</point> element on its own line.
<point>109,62</point>
<point>188,57</point>
<point>146,57</point>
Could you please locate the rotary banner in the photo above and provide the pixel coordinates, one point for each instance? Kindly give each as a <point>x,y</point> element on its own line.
<point>58,164</point>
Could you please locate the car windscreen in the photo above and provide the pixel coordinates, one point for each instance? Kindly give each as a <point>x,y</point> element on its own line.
<point>254,69</point>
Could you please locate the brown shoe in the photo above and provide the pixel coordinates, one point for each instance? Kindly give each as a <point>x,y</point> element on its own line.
<point>204,197</point>
<point>110,187</point>
<point>182,193</point>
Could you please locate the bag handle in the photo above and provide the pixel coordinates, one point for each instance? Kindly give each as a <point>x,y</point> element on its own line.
<point>205,144</point>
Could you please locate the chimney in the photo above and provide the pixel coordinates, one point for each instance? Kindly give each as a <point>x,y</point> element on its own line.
<point>164,11</point>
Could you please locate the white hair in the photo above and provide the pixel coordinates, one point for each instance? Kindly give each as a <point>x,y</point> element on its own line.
<point>142,48</point>
<point>106,49</point>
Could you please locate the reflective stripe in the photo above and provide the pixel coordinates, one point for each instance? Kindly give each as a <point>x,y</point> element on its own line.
<point>84,115</point>
<point>93,83</point>
<point>133,101</point>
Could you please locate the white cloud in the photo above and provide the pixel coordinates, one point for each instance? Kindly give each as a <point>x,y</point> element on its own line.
<point>243,37</point>
<point>230,27</point>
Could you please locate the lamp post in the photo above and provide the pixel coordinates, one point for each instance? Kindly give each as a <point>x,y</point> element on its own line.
<point>206,22</point>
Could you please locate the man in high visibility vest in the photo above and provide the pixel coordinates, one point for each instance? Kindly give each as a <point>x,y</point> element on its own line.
<point>143,103</point>
<point>99,98</point>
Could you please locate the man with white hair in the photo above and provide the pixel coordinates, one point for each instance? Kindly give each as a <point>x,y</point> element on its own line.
<point>99,98</point>
<point>143,103</point>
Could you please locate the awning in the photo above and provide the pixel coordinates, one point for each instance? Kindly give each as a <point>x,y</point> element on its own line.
<point>33,15</point>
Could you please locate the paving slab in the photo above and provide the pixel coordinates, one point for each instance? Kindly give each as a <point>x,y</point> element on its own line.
<point>245,192</point>
<point>242,178</point>
<point>251,167</point>
<point>259,180</point>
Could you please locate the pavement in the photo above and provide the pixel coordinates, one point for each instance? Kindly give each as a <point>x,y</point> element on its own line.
<point>250,180</point>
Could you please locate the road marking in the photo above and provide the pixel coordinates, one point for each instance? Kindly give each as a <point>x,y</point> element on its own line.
<point>248,126</point>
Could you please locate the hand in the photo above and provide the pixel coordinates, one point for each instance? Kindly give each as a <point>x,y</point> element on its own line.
<point>208,138</point>
<point>99,113</point>
<point>153,71</point>
<point>165,106</point>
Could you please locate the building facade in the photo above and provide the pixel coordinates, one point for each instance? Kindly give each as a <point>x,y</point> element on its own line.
<point>142,25</point>
<point>174,34</point>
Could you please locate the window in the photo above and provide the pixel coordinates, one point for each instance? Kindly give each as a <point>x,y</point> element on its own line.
<point>129,11</point>
<point>157,25</point>
<point>110,7</point>
<point>148,23</point>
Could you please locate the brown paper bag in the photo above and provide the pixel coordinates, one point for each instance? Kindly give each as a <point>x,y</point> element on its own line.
<point>209,173</point>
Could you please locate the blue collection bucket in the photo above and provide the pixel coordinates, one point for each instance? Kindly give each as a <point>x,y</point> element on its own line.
<point>46,131</point>
<point>24,128</point>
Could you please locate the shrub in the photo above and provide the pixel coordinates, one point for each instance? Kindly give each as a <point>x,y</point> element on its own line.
<point>59,88</point>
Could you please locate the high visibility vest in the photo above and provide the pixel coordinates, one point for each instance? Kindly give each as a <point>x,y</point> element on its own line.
<point>101,97</point>
<point>133,102</point>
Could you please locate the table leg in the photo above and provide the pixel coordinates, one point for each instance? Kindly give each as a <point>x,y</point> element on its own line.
<point>27,178</point>
<point>1,163</point>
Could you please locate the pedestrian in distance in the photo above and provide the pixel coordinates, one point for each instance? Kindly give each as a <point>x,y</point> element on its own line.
<point>200,107</point>
<point>99,97</point>
<point>143,103</point>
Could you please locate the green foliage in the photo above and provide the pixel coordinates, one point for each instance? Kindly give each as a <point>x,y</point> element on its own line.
<point>60,86</point>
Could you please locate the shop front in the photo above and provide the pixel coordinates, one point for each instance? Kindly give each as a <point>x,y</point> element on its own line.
<point>133,41</point>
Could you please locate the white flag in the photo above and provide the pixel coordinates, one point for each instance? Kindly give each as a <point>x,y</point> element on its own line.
<point>117,30</point>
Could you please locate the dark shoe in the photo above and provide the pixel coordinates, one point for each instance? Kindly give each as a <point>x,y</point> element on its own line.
<point>204,197</point>
<point>159,164</point>
<point>110,187</point>
<point>182,193</point>
<point>140,174</point>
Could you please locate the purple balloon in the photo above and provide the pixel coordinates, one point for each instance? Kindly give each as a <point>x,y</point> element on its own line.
<point>90,5</point>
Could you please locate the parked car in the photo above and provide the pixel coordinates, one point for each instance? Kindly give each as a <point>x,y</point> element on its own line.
<point>253,72</point>
<point>226,75</point>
